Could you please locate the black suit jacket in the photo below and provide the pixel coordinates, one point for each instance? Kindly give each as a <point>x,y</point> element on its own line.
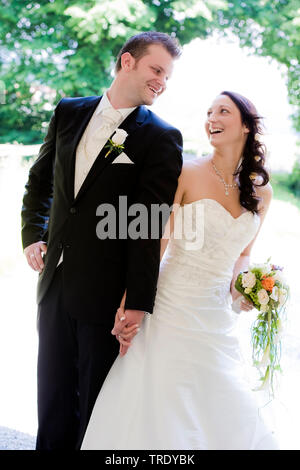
<point>97,271</point>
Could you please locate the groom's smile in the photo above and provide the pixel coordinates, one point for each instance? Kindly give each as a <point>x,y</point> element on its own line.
<point>155,91</point>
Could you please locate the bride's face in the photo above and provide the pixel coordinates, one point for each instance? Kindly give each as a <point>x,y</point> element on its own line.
<point>224,124</point>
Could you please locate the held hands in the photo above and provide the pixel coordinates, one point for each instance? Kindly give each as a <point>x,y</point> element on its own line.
<point>127,325</point>
<point>34,256</point>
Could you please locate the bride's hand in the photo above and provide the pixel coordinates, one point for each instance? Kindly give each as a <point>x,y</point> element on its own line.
<point>126,327</point>
<point>244,304</point>
<point>126,337</point>
<point>240,303</point>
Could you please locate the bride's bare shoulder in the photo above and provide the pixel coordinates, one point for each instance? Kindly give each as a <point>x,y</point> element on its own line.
<point>265,193</point>
<point>190,167</point>
<point>192,176</point>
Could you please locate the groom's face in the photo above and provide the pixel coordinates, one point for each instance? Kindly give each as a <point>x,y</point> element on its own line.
<point>149,75</point>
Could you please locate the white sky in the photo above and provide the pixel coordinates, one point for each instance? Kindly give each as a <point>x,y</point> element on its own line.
<point>207,67</point>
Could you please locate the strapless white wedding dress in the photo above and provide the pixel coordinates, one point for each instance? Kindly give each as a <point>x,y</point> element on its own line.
<point>181,385</point>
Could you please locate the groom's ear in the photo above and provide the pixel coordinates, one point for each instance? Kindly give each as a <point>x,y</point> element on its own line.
<point>127,61</point>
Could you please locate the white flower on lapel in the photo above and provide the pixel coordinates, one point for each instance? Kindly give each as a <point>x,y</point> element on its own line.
<point>119,137</point>
<point>116,142</point>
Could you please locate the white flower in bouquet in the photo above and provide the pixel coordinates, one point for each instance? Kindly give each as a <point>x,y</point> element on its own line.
<point>248,280</point>
<point>265,382</point>
<point>263,297</point>
<point>265,361</point>
<point>264,308</point>
<point>275,293</point>
<point>282,297</point>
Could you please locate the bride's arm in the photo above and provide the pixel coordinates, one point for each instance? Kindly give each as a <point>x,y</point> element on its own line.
<point>122,303</point>
<point>169,229</point>
<point>163,246</point>
<point>242,263</point>
<point>178,199</point>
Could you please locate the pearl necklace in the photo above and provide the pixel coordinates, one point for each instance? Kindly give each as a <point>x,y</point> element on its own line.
<point>226,185</point>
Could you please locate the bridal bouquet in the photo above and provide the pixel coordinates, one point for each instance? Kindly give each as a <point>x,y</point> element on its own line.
<point>265,286</point>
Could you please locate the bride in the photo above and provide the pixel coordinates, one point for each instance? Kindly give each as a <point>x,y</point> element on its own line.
<point>181,384</point>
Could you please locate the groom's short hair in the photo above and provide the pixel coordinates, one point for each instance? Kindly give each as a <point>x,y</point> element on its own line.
<point>138,45</point>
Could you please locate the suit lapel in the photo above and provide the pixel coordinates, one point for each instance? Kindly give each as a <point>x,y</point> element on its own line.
<point>130,125</point>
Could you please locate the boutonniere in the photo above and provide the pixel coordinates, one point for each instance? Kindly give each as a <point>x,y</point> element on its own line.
<point>116,142</point>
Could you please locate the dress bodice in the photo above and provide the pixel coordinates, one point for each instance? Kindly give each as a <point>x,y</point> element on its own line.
<point>206,244</point>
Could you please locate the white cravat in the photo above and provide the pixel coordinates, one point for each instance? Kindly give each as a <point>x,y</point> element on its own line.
<point>101,126</point>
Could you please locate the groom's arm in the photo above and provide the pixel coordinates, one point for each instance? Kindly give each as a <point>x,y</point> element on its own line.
<point>37,200</point>
<point>157,185</point>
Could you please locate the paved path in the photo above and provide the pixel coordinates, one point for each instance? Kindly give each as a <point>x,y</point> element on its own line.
<point>15,440</point>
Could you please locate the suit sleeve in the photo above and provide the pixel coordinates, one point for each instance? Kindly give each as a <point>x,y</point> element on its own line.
<point>157,186</point>
<point>38,194</point>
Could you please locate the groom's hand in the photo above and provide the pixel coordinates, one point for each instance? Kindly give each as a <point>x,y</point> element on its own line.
<point>34,257</point>
<point>127,325</point>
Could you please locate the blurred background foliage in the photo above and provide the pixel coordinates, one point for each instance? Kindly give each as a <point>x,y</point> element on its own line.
<point>55,48</point>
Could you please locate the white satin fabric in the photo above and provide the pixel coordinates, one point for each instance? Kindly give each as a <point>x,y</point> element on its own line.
<point>181,384</point>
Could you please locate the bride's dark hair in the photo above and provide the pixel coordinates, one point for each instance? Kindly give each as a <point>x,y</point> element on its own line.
<point>254,153</point>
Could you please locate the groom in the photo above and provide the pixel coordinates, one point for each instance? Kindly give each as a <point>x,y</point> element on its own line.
<point>83,276</point>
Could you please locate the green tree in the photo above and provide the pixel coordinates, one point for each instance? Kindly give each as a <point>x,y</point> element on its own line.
<point>270,29</point>
<point>66,46</point>
<point>53,48</point>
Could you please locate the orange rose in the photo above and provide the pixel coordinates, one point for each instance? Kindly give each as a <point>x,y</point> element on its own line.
<point>268,283</point>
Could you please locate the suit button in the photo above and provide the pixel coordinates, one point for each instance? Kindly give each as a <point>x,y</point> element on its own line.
<point>73,210</point>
